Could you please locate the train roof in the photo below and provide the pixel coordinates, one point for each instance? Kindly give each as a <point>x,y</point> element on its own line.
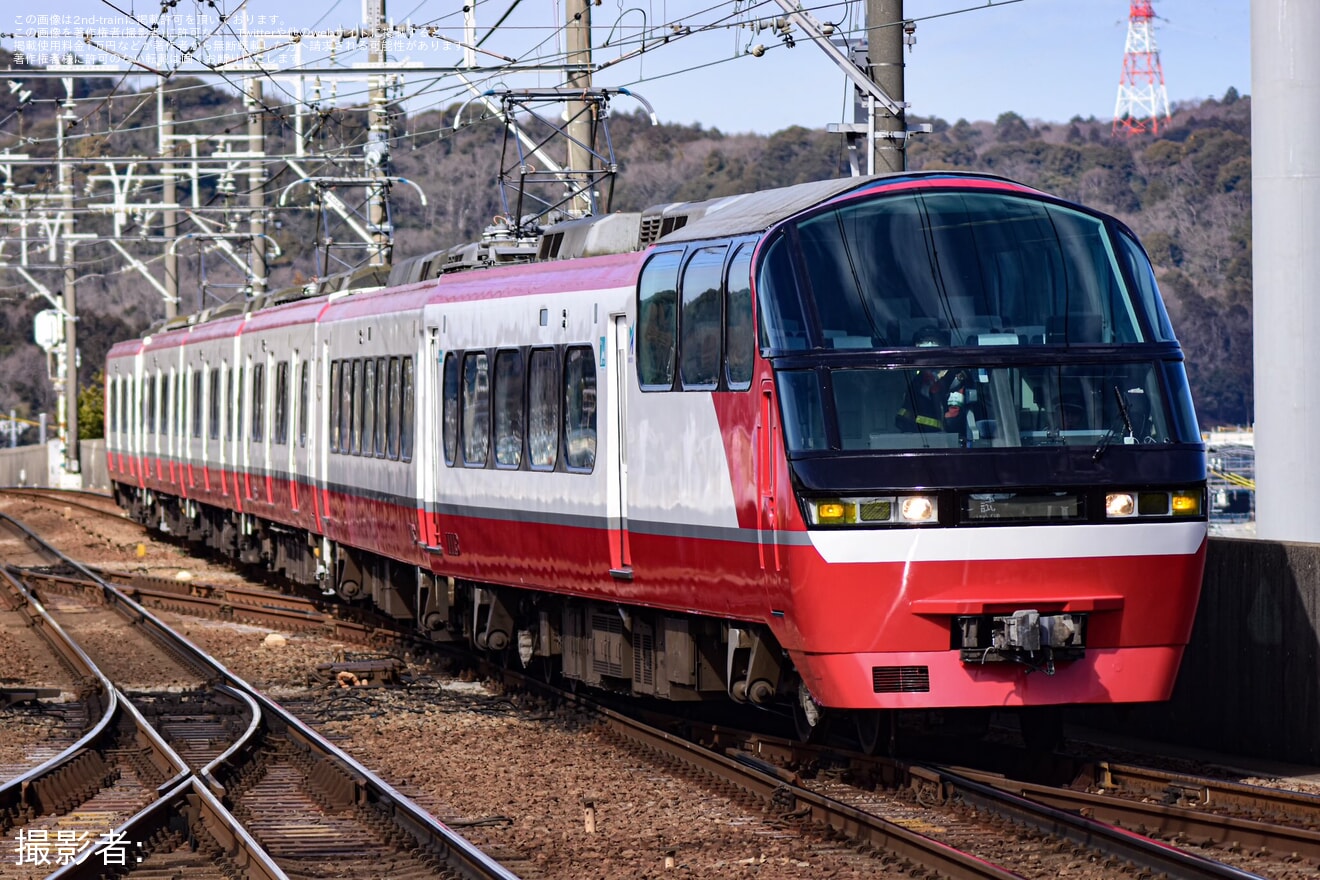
<point>749,212</point>
<point>610,234</point>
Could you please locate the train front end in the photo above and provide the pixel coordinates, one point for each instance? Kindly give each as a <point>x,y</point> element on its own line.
<point>997,479</point>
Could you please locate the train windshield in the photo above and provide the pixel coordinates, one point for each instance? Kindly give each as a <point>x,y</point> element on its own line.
<point>956,268</point>
<point>1089,405</point>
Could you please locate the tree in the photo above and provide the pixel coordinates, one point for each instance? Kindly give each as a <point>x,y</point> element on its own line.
<point>91,409</point>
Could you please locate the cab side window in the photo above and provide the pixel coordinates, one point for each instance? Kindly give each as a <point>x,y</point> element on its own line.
<point>700,325</point>
<point>739,334</point>
<point>657,321</point>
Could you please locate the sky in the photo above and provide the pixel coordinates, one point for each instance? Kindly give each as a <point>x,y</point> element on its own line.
<point>1046,60</point>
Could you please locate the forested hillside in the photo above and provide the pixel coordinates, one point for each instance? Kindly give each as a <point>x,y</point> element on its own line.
<point>1186,193</point>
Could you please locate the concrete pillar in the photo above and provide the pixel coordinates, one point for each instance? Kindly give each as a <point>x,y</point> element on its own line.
<point>1285,180</point>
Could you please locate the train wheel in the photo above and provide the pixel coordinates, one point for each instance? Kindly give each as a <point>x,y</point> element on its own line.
<point>808,717</point>
<point>875,731</point>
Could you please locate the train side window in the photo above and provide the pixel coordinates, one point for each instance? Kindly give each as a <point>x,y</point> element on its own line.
<point>476,409</point>
<point>281,421</point>
<point>368,405</point>
<point>657,321</point>
<point>336,376</point>
<point>508,408</point>
<point>359,402</point>
<point>149,405</point>
<point>304,396</point>
<point>406,413</point>
<point>110,421</point>
<point>449,408</point>
<point>739,334</point>
<point>112,404</point>
<point>346,407</point>
<point>543,410</point>
<point>699,329</point>
<point>395,404</point>
<point>579,408</point>
<point>197,402</point>
<point>214,429</point>
<point>258,402</point>
<point>382,406</point>
<point>166,409</point>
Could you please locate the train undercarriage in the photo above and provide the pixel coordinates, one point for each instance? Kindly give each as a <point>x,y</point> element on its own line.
<point>624,649</point>
<point>628,650</point>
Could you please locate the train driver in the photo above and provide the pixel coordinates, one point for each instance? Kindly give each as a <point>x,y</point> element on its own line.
<point>936,400</point>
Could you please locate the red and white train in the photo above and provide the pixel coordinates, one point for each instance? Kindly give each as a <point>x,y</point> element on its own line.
<point>906,442</point>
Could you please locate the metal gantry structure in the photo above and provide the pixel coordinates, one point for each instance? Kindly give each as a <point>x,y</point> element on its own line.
<point>1142,97</point>
<point>157,202</point>
<point>207,195</point>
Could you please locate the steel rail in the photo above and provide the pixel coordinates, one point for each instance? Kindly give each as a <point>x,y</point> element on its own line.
<point>1283,840</point>
<point>227,603</point>
<point>43,787</point>
<point>999,796</point>
<point>761,780</point>
<point>1202,791</point>
<point>191,800</point>
<point>67,498</point>
<point>366,788</point>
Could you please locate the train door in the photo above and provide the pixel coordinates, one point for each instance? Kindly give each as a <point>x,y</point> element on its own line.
<point>319,453</point>
<point>616,361</point>
<point>139,414</point>
<point>428,466</point>
<point>767,470</point>
<point>294,404</point>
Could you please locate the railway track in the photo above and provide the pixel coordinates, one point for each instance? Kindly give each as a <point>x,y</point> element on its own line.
<point>270,796</point>
<point>91,502</point>
<point>1043,808</point>
<point>885,825</point>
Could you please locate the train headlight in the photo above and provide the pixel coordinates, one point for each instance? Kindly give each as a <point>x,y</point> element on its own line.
<point>1120,504</point>
<point>919,509</point>
<point>872,511</point>
<point>1154,503</point>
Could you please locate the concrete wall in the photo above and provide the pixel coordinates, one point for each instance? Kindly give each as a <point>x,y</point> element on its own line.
<point>38,465</point>
<point>91,458</point>
<point>1250,680</point>
<point>28,465</point>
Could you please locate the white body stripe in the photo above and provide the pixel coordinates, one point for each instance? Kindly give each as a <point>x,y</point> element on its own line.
<point>1010,542</point>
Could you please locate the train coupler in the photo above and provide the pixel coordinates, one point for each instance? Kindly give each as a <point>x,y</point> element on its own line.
<point>1028,637</point>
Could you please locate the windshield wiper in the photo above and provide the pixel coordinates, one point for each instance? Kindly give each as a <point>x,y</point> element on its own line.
<point>1127,426</point>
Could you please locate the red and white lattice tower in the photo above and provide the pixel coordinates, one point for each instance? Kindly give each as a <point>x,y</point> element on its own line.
<point>1142,99</point>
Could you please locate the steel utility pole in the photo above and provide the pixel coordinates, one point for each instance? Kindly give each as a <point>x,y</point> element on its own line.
<point>884,37</point>
<point>69,396</point>
<point>580,125</point>
<point>257,186</point>
<point>169,195</point>
<point>378,142</point>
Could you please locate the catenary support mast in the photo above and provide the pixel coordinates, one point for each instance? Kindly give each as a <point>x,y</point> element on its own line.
<point>884,36</point>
